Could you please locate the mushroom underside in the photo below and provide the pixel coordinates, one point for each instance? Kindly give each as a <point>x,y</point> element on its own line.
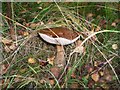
<point>58,40</point>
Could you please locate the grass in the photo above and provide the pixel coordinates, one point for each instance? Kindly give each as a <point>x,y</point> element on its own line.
<point>22,74</point>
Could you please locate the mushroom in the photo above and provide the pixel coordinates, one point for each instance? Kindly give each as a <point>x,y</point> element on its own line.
<point>60,36</point>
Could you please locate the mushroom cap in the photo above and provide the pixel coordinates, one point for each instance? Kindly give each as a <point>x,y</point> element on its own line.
<point>59,35</point>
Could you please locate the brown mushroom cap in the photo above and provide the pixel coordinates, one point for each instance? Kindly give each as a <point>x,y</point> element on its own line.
<point>59,35</point>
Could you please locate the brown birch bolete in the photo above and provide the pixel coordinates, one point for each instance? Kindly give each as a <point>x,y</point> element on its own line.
<point>60,36</point>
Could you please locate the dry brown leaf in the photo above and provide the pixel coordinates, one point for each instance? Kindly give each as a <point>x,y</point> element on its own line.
<point>95,76</point>
<point>73,75</point>
<point>101,73</point>
<point>26,33</point>
<point>34,25</point>
<point>94,38</point>
<point>5,82</point>
<point>17,79</point>
<point>12,46</point>
<point>43,62</point>
<point>7,49</point>
<point>51,60</point>
<point>91,83</point>
<point>97,29</point>
<point>52,81</point>
<point>20,32</point>
<point>6,41</point>
<point>89,15</point>
<point>80,49</point>
<point>95,63</point>
<point>74,85</point>
<point>24,11</point>
<point>31,60</point>
<point>3,68</point>
<point>102,22</point>
<point>56,71</point>
<point>42,81</point>
<point>78,43</point>
<point>90,69</point>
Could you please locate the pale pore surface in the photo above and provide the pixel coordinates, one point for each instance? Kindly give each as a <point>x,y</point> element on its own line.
<point>58,40</point>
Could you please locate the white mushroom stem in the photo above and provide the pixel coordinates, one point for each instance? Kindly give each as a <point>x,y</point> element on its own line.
<point>60,57</point>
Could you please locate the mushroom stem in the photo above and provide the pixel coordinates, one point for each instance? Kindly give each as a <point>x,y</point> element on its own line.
<point>60,58</point>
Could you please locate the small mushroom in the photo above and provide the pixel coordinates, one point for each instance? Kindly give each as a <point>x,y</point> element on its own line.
<point>60,36</point>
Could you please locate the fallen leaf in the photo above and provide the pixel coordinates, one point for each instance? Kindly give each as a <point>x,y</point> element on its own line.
<point>89,69</point>
<point>5,83</point>
<point>20,32</point>
<point>24,11</point>
<point>4,68</point>
<point>7,49</point>
<point>91,83</point>
<point>27,24</point>
<point>73,75</point>
<point>6,41</point>
<point>89,15</point>
<point>31,60</point>
<point>102,22</point>
<point>56,71</point>
<point>78,43</point>
<point>95,63</point>
<point>97,29</point>
<point>74,85</point>
<point>34,25</point>
<point>43,62</point>
<point>95,76</point>
<point>52,81</point>
<point>17,79</point>
<point>25,33</point>
<point>51,60</point>
<point>12,32</point>
<point>80,49</point>
<point>88,33</point>
<point>101,73</point>
<point>12,46</point>
<point>42,81</point>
